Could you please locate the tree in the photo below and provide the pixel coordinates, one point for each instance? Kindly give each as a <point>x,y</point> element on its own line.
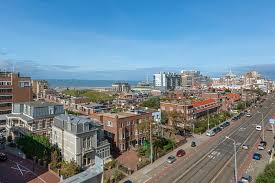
<point>9,138</point>
<point>268,176</point>
<point>152,102</point>
<point>69,169</point>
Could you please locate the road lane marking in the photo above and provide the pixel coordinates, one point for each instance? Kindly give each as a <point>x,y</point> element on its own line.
<point>214,179</point>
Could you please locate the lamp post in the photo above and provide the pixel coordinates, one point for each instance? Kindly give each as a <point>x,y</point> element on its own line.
<point>208,119</point>
<point>262,121</point>
<point>235,161</point>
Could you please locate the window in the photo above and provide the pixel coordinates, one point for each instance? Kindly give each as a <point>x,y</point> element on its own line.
<point>128,123</point>
<point>23,84</point>
<point>88,142</point>
<point>109,123</point>
<point>84,143</point>
<point>123,136</point>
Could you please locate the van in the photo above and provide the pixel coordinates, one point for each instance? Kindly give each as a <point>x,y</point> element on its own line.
<point>210,133</point>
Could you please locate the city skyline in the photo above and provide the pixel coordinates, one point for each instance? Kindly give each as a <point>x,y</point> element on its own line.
<point>75,39</point>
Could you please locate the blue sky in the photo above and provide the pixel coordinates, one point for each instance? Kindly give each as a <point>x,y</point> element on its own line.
<point>91,35</point>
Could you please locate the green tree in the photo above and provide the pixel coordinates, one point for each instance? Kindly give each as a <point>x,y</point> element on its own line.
<point>268,176</point>
<point>152,102</point>
<point>9,138</point>
<point>69,169</point>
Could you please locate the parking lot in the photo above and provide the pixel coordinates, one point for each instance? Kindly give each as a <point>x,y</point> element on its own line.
<point>18,170</point>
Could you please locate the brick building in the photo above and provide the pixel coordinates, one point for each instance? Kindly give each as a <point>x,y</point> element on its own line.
<point>122,128</point>
<point>13,89</point>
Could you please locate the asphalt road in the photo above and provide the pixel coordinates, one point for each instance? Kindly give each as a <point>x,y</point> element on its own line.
<point>214,163</point>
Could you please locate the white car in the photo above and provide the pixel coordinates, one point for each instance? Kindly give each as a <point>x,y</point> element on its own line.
<point>258,127</point>
<point>210,133</point>
<point>245,146</point>
<point>248,115</point>
<point>261,147</point>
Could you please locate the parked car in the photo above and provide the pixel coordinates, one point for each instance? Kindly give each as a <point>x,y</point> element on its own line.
<point>227,123</point>
<point>246,179</point>
<point>3,157</point>
<point>217,130</point>
<point>193,144</point>
<point>262,145</point>
<point>181,153</point>
<point>210,133</point>
<point>245,147</point>
<point>171,159</point>
<point>258,127</point>
<point>257,156</point>
<point>128,181</point>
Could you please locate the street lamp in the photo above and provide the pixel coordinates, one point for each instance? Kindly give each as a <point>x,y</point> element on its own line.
<point>262,123</point>
<point>235,155</point>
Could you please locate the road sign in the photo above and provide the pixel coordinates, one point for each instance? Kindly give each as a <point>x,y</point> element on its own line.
<point>272,121</point>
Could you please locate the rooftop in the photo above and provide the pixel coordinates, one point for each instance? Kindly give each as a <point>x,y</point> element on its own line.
<point>39,103</point>
<point>121,114</point>
<point>203,102</point>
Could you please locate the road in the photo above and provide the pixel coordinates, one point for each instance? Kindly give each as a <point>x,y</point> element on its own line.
<point>214,163</point>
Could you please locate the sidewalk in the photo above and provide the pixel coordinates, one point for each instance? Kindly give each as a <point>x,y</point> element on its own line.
<point>143,174</point>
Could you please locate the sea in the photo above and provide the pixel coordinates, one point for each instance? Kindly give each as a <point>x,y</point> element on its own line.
<point>74,83</point>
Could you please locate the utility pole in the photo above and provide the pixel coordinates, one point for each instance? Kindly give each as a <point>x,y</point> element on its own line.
<point>263,124</point>
<point>151,143</point>
<point>235,158</point>
<point>273,146</point>
<point>208,119</point>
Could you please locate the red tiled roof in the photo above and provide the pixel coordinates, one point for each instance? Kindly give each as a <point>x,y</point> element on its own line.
<point>203,102</point>
<point>234,96</point>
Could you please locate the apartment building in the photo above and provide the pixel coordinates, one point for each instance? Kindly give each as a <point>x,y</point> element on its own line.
<point>166,80</point>
<point>38,87</point>
<point>13,88</point>
<point>183,107</point>
<point>121,87</point>
<point>80,139</point>
<point>122,128</point>
<point>203,107</point>
<point>191,110</point>
<point>32,117</point>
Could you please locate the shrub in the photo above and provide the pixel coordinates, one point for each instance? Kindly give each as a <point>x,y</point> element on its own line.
<point>9,138</point>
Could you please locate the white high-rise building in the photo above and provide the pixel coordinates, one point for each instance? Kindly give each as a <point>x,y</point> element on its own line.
<point>167,80</point>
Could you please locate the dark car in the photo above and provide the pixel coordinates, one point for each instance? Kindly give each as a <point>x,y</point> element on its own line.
<point>257,156</point>
<point>128,181</point>
<point>181,153</point>
<point>193,144</point>
<point>263,143</point>
<point>3,157</point>
<point>227,123</point>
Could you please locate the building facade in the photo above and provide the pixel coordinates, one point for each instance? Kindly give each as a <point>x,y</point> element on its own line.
<point>124,129</point>
<point>166,80</point>
<point>38,87</point>
<point>80,139</point>
<point>32,117</point>
<point>13,89</point>
<point>121,87</point>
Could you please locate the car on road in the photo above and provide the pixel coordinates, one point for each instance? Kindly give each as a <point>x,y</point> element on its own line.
<point>225,124</point>
<point>210,133</point>
<point>180,153</point>
<point>262,145</point>
<point>3,157</point>
<point>257,156</point>
<point>246,179</point>
<point>128,181</point>
<point>248,115</point>
<point>193,144</point>
<point>244,146</point>
<point>217,130</point>
<point>258,127</point>
<point>171,159</point>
